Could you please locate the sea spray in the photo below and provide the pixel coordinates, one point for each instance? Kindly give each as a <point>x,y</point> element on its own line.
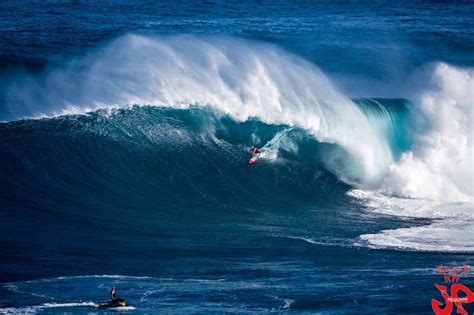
<point>440,164</point>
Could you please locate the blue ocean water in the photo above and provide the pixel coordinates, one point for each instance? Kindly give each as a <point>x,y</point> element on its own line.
<point>124,145</point>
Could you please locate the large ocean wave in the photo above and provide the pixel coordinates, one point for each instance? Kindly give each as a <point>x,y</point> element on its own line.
<point>175,115</point>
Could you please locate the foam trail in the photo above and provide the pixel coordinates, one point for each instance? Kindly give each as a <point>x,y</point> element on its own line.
<point>241,78</point>
<point>446,236</point>
<point>281,140</point>
<point>452,229</point>
<point>44,307</point>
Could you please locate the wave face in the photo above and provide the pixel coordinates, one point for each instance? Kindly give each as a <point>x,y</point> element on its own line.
<point>154,155</point>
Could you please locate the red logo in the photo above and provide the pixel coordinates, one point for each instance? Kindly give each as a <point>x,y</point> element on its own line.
<point>452,275</point>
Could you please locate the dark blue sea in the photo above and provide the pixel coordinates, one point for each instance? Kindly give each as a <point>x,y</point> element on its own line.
<point>125,130</point>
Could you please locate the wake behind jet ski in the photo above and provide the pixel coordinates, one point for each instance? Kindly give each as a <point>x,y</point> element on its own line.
<point>118,302</point>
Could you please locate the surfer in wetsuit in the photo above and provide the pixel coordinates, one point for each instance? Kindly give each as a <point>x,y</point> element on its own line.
<point>112,294</point>
<point>254,151</point>
<point>255,154</point>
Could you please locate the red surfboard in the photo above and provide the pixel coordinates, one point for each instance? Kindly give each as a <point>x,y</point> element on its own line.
<point>254,159</point>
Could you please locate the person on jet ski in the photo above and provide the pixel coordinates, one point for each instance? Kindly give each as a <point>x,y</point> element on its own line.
<point>114,301</point>
<point>112,294</point>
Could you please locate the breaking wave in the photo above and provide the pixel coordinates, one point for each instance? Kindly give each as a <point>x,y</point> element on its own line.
<point>121,111</point>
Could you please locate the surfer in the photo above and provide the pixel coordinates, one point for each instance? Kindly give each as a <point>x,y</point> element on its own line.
<point>112,294</point>
<point>255,154</point>
<point>254,151</point>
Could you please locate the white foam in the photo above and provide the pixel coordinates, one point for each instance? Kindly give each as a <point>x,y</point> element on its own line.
<point>435,179</point>
<point>280,141</point>
<point>72,304</point>
<point>444,236</point>
<point>415,208</point>
<point>440,165</point>
<point>101,276</point>
<point>36,308</point>
<point>452,229</point>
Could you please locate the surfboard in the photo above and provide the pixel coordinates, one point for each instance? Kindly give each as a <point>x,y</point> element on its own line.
<point>254,159</point>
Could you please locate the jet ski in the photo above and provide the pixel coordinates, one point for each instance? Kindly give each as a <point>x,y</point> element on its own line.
<point>118,302</point>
